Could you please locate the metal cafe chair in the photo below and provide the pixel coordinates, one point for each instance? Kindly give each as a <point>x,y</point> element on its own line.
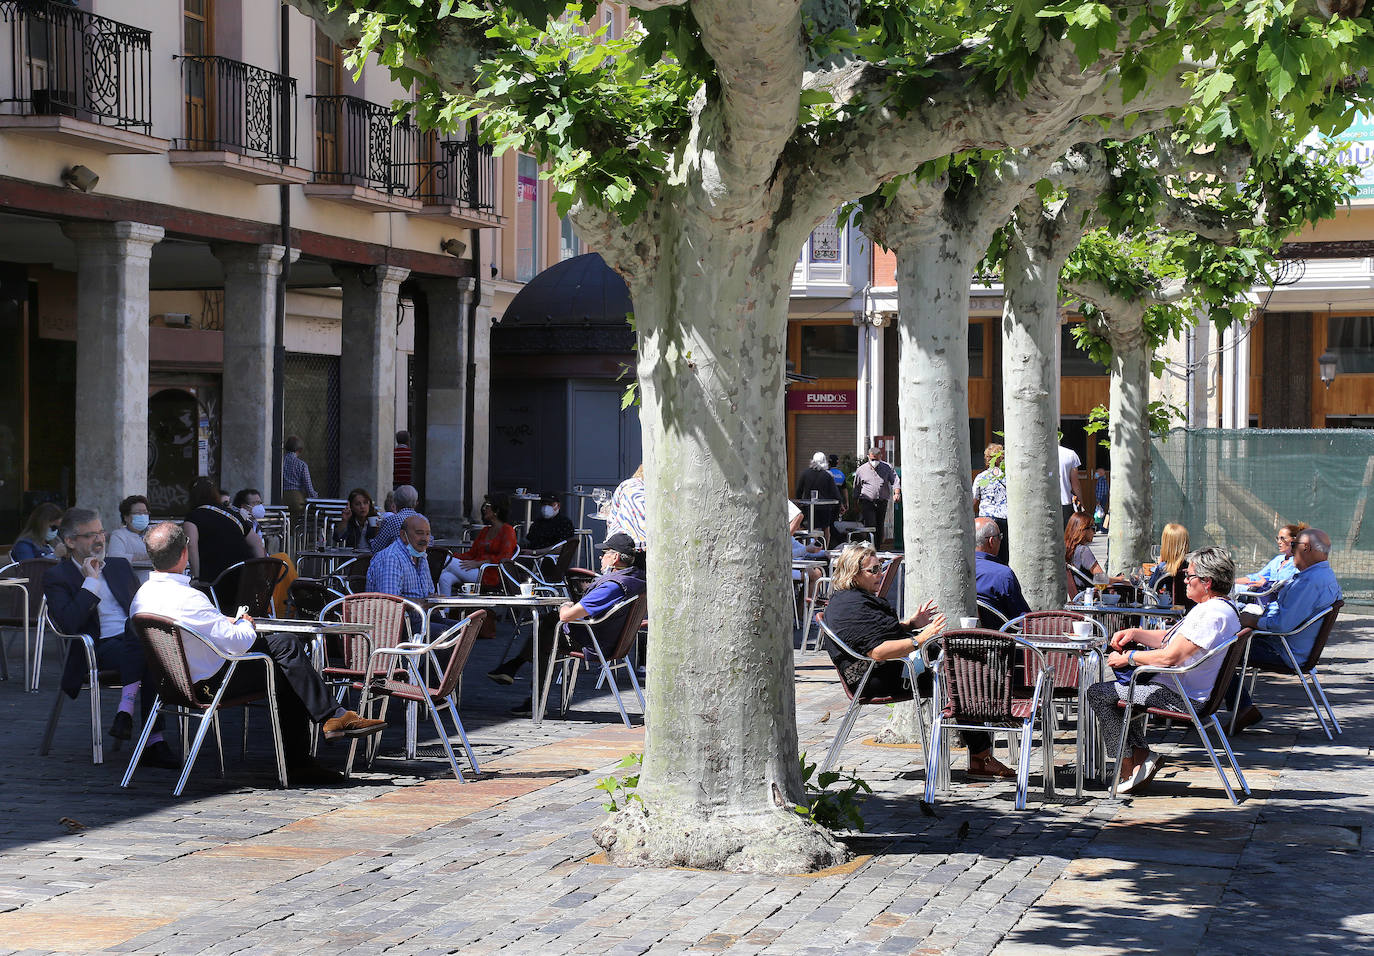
<point>457,641</point>
<point>974,688</point>
<point>22,607</point>
<point>1306,670</point>
<point>95,680</point>
<point>608,660</point>
<point>1197,715</point>
<point>249,584</point>
<point>164,645</point>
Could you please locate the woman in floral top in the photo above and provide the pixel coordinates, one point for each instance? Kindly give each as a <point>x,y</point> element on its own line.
<point>990,495</point>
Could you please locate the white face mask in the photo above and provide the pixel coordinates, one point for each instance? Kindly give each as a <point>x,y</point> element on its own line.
<point>259,512</point>
<point>548,511</point>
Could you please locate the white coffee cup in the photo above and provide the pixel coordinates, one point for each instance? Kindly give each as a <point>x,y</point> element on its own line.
<point>373,521</point>
<point>527,588</point>
<point>1083,629</point>
<point>967,622</point>
<point>471,588</point>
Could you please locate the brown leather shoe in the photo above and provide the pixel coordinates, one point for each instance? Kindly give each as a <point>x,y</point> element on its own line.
<point>989,768</point>
<point>1248,718</point>
<point>349,724</point>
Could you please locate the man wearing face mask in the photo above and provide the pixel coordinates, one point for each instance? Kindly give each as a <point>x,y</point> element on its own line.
<point>401,568</point>
<point>249,503</point>
<point>551,528</point>
<point>89,593</point>
<point>127,542</point>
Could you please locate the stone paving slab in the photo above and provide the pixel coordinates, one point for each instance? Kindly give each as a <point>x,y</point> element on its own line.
<point>405,860</point>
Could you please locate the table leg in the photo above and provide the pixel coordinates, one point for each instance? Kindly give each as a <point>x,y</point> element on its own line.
<point>536,698</point>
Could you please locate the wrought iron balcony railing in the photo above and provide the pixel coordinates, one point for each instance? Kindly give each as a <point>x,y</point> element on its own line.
<point>67,62</point>
<point>239,108</point>
<point>360,144</point>
<point>464,175</point>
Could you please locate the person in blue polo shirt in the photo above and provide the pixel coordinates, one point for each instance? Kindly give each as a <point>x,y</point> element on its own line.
<point>1312,588</point>
<point>996,583</point>
<point>622,576</point>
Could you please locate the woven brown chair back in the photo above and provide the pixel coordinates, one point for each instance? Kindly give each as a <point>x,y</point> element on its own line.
<point>165,652</point>
<point>579,580</point>
<point>437,558</point>
<point>1051,625</point>
<point>387,614</point>
<point>1319,645</point>
<point>564,562</point>
<point>889,577</point>
<point>1229,662</point>
<point>253,583</point>
<point>629,630</point>
<point>12,602</point>
<point>458,654</point>
<point>977,674</point>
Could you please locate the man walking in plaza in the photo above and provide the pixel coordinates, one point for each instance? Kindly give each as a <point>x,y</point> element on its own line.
<point>402,460</point>
<point>1070,491</point>
<point>301,694</point>
<point>1313,588</point>
<point>873,483</point>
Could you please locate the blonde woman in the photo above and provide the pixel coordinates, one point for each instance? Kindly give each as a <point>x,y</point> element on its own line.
<point>1173,555</point>
<point>869,625</point>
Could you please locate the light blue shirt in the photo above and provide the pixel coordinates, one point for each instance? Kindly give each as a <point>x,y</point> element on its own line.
<point>1300,597</point>
<point>1279,569</point>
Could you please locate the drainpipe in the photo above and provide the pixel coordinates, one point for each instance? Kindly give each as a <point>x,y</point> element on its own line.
<point>284,200</point>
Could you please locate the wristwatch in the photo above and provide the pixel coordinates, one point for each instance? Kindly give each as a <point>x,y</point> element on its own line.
<point>1130,658</point>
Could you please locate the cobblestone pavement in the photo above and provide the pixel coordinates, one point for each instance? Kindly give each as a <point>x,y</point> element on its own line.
<point>404,860</point>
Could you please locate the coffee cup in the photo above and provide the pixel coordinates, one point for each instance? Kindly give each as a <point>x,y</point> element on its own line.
<point>471,588</point>
<point>373,521</point>
<point>527,588</point>
<point>1111,599</point>
<point>967,622</point>
<point>1082,629</point>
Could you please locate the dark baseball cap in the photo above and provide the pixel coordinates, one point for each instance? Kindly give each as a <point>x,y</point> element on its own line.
<point>622,544</point>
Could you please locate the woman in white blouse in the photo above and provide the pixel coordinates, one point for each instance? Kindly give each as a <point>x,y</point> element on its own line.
<point>127,542</point>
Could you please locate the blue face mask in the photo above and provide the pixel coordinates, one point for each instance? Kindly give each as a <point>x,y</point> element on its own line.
<point>51,535</point>
<point>139,523</point>
<point>413,552</point>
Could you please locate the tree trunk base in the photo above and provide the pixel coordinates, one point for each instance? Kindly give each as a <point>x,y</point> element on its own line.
<point>782,842</point>
<point>903,726</point>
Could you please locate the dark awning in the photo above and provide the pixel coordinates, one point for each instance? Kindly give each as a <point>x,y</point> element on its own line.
<point>582,290</point>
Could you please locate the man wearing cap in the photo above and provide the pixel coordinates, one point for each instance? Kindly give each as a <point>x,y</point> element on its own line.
<point>622,576</point>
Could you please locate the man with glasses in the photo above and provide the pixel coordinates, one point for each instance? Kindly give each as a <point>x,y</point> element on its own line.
<point>89,593</point>
<point>996,583</point>
<point>1312,588</point>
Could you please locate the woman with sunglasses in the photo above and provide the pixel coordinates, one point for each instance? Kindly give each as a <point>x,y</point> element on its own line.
<point>1280,567</point>
<point>869,625</point>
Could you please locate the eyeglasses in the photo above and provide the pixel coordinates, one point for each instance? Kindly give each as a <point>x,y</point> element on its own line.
<point>1195,577</point>
<point>876,569</point>
<point>88,534</point>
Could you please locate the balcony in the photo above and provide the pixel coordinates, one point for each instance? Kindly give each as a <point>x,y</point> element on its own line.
<point>460,184</point>
<point>239,121</point>
<point>364,158</point>
<point>78,78</point>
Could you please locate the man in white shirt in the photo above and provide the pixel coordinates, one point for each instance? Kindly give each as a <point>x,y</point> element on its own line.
<point>301,694</point>
<point>1070,492</point>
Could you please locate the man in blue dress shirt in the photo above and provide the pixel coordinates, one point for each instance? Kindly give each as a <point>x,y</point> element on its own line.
<point>996,583</point>
<point>1313,588</point>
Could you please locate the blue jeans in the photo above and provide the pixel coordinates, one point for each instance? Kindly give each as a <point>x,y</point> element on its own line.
<point>1263,650</point>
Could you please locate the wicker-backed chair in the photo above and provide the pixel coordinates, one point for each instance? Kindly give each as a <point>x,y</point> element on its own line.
<point>22,607</point>
<point>249,584</point>
<point>389,616</point>
<point>973,672</point>
<point>1305,671</point>
<point>609,660</point>
<point>891,571</point>
<point>579,581</point>
<point>860,696</point>
<point>1198,715</point>
<point>164,646</point>
<point>95,680</point>
<point>457,641</point>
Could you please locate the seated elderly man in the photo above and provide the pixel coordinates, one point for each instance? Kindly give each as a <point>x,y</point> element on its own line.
<point>401,568</point>
<point>90,593</point>
<point>406,498</point>
<point>1311,589</point>
<point>301,694</point>
<point>996,583</point>
<point>869,625</point>
<point>622,576</point>
<point>1211,623</point>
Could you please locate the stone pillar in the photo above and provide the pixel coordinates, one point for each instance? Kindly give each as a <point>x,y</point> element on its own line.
<point>446,425</point>
<point>481,401</point>
<point>250,285</point>
<point>112,260</point>
<point>367,376</point>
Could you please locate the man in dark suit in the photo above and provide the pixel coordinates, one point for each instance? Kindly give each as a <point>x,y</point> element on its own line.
<point>88,593</point>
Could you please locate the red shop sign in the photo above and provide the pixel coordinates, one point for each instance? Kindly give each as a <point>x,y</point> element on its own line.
<point>819,399</point>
